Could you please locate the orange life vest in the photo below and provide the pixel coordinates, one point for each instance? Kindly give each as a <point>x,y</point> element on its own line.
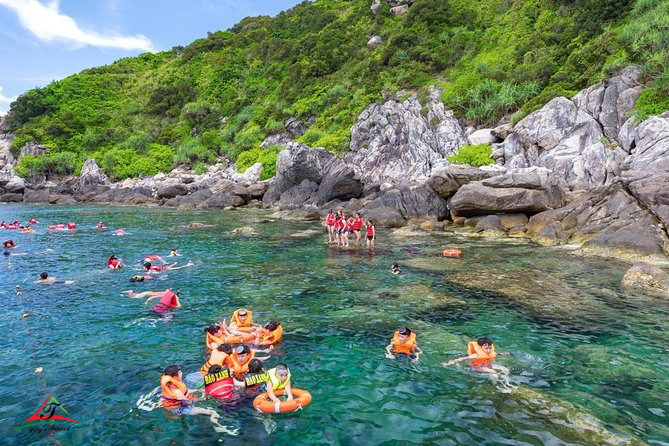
<point>238,369</point>
<point>249,319</point>
<point>169,399</point>
<point>483,359</point>
<point>211,338</point>
<point>271,337</point>
<point>404,348</point>
<point>217,358</point>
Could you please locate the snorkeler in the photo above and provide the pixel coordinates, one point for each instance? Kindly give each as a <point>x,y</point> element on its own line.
<point>404,343</point>
<point>156,269</point>
<point>395,269</point>
<point>46,280</point>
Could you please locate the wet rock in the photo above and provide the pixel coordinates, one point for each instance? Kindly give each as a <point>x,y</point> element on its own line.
<point>409,202</point>
<point>172,191</point>
<point>61,199</point>
<point>11,198</point>
<point>306,233</point>
<point>490,223</point>
<point>245,231</point>
<point>197,225</point>
<point>36,196</point>
<point>384,216</point>
<point>15,185</point>
<point>511,221</point>
<point>648,278</point>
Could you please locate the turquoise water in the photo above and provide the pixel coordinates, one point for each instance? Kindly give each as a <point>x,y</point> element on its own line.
<point>588,360</point>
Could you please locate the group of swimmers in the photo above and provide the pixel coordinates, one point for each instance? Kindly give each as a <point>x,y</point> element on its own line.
<point>339,228</point>
<point>234,368</point>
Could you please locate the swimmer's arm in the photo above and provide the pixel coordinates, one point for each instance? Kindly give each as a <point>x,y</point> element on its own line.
<point>149,299</point>
<point>388,351</point>
<point>178,393</point>
<point>238,383</point>
<point>289,391</point>
<point>455,361</point>
<point>178,302</point>
<point>418,352</point>
<point>270,392</point>
<point>262,358</point>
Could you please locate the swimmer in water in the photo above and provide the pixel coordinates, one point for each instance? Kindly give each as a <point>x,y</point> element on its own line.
<point>141,278</point>
<point>395,269</point>
<point>404,343</point>
<point>173,253</point>
<point>143,294</point>
<point>156,269</point>
<point>100,226</point>
<point>120,232</point>
<point>9,244</point>
<point>481,356</point>
<point>114,262</point>
<point>46,280</point>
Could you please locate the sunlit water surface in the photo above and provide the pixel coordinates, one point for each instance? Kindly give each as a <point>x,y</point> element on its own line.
<point>588,360</point>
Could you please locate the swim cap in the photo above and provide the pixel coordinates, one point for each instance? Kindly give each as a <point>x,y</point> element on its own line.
<point>242,312</point>
<point>242,349</point>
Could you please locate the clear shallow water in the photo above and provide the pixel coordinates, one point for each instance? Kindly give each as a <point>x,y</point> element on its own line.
<point>588,361</point>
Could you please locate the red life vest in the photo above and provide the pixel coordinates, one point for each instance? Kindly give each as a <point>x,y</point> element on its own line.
<point>167,302</point>
<point>158,268</point>
<point>219,385</point>
<point>112,263</point>
<point>71,225</point>
<point>32,221</point>
<point>357,224</point>
<point>370,230</point>
<point>330,220</point>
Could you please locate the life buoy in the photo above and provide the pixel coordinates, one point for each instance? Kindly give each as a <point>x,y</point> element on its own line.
<point>262,403</point>
<point>452,253</point>
<point>167,302</point>
<point>248,337</point>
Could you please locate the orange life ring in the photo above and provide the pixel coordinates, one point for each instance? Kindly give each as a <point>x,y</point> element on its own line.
<point>452,253</point>
<point>263,404</point>
<point>239,339</point>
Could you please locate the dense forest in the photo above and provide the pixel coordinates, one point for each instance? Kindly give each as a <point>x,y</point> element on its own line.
<point>223,94</point>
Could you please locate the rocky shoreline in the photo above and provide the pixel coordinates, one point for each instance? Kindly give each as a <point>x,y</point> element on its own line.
<point>577,172</point>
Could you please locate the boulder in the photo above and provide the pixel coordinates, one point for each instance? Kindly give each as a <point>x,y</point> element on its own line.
<point>482,136</point>
<point>606,221</point>
<point>15,185</point>
<point>648,278</point>
<point>195,199</point>
<point>447,180</point>
<point>502,131</point>
<point>241,191</point>
<point>489,223</point>
<point>222,200</point>
<point>11,198</point>
<point>375,41</point>
<point>650,189</point>
<point>275,140</point>
<point>529,190</point>
<point>257,190</point>
<point>295,164</point>
<point>171,191</point>
<point>295,127</point>
<point>245,231</point>
<point>385,216</point>
<point>92,176</point>
<point>299,195</point>
<point>649,145</point>
<point>36,196</point>
<point>513,221</point>
<point>399,142</point>
<point>409,202</point>
<point>339,182</point>
<point>399,10</point>
<point>61,199</point>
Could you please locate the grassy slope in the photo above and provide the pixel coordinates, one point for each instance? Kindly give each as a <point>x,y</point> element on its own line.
<point>491,57</point>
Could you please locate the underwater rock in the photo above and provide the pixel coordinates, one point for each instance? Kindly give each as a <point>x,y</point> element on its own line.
<point>648,278</point>
<point>245,231</point>
<point>306,233</point>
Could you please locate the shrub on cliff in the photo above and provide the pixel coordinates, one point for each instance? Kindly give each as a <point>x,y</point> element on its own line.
<point>475,156</point>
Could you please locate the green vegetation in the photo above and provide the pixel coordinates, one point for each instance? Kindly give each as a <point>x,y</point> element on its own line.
<point>223,94</point>
<point>475,156</point>
<point>266,157</point>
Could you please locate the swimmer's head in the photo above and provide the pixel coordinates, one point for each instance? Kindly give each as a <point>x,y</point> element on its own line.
<point>485,343</point>
<point>43,275</point>
<point>242,314</point>
<point>137,279</point>
<point>147,265</point>
<point>214,369</point>
<point>243,352</point>
<point>404,333</point>
<point>272,325</point>
<point>225,348</point>
<point>282,372</point>
<point>212,329</point>
<point>113,257</point>
<point>255,365</point>
<point>173,370</point>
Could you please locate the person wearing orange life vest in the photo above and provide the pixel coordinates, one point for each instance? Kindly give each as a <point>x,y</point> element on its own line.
<point>178,399</point>
<point>215,336</point>
<point>270,334</point>
<point>219,356</point>
<point>240,359</point>
<point>404,343</point>
<point>241,320</point>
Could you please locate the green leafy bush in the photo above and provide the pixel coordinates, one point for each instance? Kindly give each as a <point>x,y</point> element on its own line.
<point>192,151</point>
<point>265,156</point>
<point>475,156</point>
<point>54,164</point>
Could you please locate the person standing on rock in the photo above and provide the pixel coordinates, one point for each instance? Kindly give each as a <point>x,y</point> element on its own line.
<point>330,226</point>
<point>356,227</point>
<point>371,233</point>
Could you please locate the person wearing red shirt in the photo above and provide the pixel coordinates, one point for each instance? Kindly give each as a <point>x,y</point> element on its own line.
<point>371,233</point>
<point>330,225</point>
<point>356,227</point>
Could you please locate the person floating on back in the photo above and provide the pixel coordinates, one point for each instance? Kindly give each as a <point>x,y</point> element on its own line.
<point>404,343</point>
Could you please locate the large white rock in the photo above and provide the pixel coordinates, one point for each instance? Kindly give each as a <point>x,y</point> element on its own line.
<point>482,136</point>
